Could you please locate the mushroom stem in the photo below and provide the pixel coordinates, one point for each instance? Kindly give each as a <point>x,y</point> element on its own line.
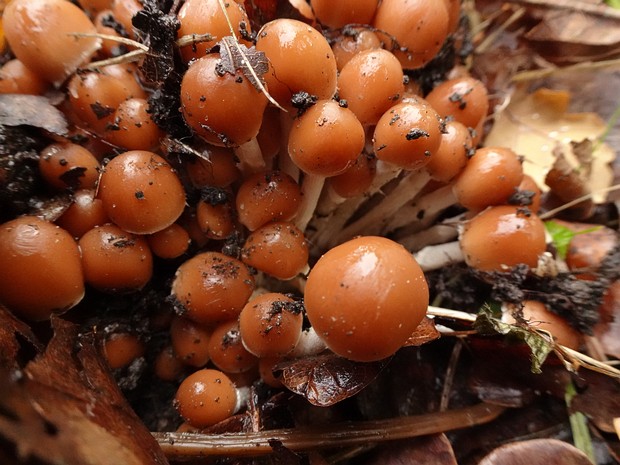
<point>434,257</point>
<point>243,398</point>
<point>329,226</point>
<point>424,209</point>
<point>309,344</point>
<point>250,157</point>
<point>437,234</point>
<point>329,201</point>
<point>285,164</point>
<point>311,191</point>
<point>374,220</point>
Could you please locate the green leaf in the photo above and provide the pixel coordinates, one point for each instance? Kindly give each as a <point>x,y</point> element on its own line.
<point>613,3</point>
<point>579,425</point>
<point>561,235</point>
<point>488,322</point>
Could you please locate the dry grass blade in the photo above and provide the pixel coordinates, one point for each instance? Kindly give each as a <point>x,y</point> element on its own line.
<point>246,64</point>
<point>183,445</point>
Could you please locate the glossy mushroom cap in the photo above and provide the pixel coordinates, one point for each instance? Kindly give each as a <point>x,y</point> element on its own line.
<point>300,60</point>
<point>39,33</point>
<point>206,397</point>
<point>502,237</point>
<point>365,297</point>
<point>141,192</point>
<point>420,28</point>
<point>326,139</point>
<point>40,268</point>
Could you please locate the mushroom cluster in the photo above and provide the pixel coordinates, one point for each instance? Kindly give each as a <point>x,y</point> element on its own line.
<point>286,209</point>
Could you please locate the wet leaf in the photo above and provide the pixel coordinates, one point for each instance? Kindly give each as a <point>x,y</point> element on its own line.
<point>327,379</point>
<point>537,124</point>
<point>536,452</point>
<point>488,323</point>
<point>31,110</point>
<point>67,409</point>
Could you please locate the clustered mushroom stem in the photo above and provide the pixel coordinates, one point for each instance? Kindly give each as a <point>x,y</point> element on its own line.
<point>329,226</point>
<point>427,206</point>
<point>311,191</point>
<point>285,164</point>
<point>250,157</point>
<point>329,201</point>
<point>437,234</point>
<point>434,257</point>
<point>374,220</point>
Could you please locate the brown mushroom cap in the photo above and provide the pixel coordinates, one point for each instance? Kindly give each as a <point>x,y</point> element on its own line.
<point>503,237</point>
<point>365,297</point>
<point>40,268</point>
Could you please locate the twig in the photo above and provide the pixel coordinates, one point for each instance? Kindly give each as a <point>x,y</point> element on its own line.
<point>184,445</point>
<point>450,372</point>
<point>551,213</point>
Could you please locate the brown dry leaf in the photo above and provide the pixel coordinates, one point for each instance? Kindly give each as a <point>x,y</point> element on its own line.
<point>425,332</point>
<point>536,452</point>
<point>325,380</point>
<point>31,110</point>
<point>599,400</point>
<point>66,408</point>
<point>10,330</point>
<point>574,31</point>
<point>534,124</point>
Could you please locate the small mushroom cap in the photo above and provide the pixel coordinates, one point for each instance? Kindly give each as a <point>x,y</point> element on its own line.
<point>141,192</point>
<point>365,297</point>
<point>502,237</point>
<point>40,268</point>
<point>39,33</point>
<point>206,397</point>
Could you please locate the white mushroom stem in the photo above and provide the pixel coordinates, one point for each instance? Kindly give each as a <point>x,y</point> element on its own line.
<point>328,227</point>
<point>329,201</point>
<point>311,188</point>
<point>437,234</point>
<point>374,221</point>
<point>423,209</point>
<point>285,164</point>
<point>435,257</point>
<point>243,397</point>
<point>250,157</point>
<point>309,344</point>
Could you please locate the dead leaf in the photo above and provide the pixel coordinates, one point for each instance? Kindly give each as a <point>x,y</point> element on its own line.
<point>14,334</point>
<point>325,380</point>
<point>598,399</point>
<point>534,124</point>
<point>567,36</point>
<point>236,56</point>
<point>31,110</point>
<point>608,329</point>
<point>66,408</point>
<point>536,452</point>
<point>425,332</point>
